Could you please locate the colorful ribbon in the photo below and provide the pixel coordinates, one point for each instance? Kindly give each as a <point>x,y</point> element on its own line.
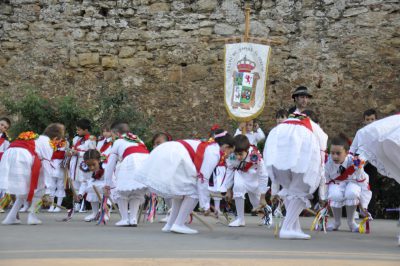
<point>321,220</point>
<point>277,218</point>
<point>151,211</point>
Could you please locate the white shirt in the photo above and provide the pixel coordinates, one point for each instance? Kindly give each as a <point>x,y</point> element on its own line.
<point>256,171</point>
<point>254,137</point>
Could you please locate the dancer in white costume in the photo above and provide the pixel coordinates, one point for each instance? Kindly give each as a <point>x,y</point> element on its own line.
<point>5,124</point>
<point>80,144</point>
<point>379,143</point>
<point>247,174</point>
<point>216,181</point>
<point>181,170</point>
<point>158,139</point>
<point>24,168</point>
<point>55,182</point>
<point>347,183</point>
<point>294,158</point>
<point>93,161</point>
<point>131,152</point>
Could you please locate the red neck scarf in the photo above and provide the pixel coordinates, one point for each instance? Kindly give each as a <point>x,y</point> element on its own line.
<point>306,122</point>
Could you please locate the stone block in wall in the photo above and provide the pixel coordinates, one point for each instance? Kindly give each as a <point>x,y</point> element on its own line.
<point>109,61</point>
<point>205,5</point>
<point>86,59</point>
<point>224,29</point>
<point>159,7</point>
<point>126,51</point>
<point>195,72</point>
<point>129,34</point>
<point>41,30</point>
<point>354,11</point>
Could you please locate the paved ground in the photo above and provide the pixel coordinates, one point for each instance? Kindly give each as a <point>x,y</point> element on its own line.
<point>80,243</point>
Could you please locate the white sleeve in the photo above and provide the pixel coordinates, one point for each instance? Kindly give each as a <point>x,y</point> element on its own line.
<point>259,135</point>
<point>262,177</point>
<point>111,164</point>
<point>45,154</point>
<point>210,161</point>
<point>238,132</point>
<point>228,181</point>
<point>354,145</point>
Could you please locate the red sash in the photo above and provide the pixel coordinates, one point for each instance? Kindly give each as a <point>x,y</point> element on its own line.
<point>348,172</point>
<point>306,122</point>
<point>58,155</point>
<point>199,157</point>
<point>1,155</point>
<point>30,146</point>
<point>135,149</point>
<point>80,141</point>
<point>189,148</point>
<point>105,146</point>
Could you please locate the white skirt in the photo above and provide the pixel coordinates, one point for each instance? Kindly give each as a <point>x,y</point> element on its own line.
<point>294,148</point>
<point>15,171</point>
<point>125,174</point>
<point>218,178</point>
<point>379,143</point>
<point>169,171</point>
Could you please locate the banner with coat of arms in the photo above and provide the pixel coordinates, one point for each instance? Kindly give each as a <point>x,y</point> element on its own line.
<point>246,69</point>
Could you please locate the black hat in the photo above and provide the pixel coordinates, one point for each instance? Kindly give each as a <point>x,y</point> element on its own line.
<point>302,90</point>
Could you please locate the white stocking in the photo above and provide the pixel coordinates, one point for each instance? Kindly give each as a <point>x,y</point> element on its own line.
<point>188,204</point>
<point>239,202</point>
<point>176,205</point>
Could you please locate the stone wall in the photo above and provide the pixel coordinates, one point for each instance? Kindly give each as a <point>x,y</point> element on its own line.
<point>163,53</point>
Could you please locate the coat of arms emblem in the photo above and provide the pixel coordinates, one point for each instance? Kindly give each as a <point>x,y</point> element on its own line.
<point>245,84</point>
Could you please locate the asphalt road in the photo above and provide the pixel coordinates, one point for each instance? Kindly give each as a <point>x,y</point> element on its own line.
<point>81,243</point>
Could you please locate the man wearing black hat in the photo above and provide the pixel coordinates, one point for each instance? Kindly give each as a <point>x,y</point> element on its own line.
<point>301,97</point>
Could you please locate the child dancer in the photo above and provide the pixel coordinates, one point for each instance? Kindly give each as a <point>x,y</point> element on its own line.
<point>131,151</point>
<point>216,182</point>
<point>55,182</point>
<point>24,168</point>
<point>347,183</point>
<point>93,161</point>
<point>253,132</point>
<point>294,160</point>
<point>379,143</point>
<point>80,144</point>
<point>5,124</point>
<point>104,144</point>
<point>158,139</point>
<point>247,174</point>
<point>181,170</point>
